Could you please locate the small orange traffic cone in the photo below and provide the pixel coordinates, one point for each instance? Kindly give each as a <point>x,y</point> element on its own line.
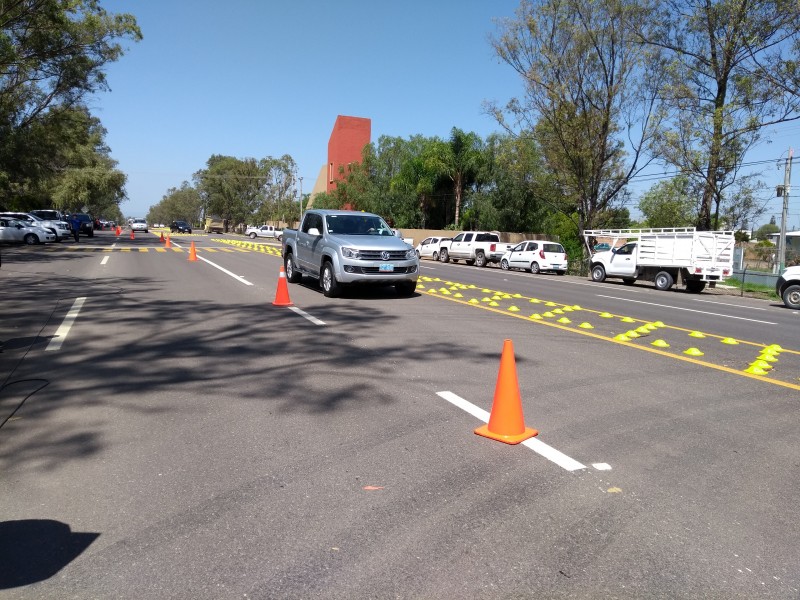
<point>168,244</point>
<point>282,293</point>
<point>192,252</point>
<point>506,423</point>
<point>133,237</point>
<point>119,230</point>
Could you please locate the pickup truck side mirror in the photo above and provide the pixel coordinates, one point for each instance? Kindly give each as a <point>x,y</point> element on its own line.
<point>398,233</point>
<point>313,231</point>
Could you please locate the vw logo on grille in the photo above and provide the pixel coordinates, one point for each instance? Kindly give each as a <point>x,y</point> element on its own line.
<point>385,255</point>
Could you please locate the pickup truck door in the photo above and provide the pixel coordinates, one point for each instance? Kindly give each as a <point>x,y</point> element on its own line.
<point>460,246</point>
<point>623,261</point>
<point>308,242</point>
<point>519,255</point>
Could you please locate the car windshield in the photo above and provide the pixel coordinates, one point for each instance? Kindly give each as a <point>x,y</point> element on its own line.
<point>47,214</point>
<point>357,225</point>
<point>139,221</point>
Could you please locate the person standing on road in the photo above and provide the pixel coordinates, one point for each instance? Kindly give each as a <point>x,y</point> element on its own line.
<point>75,223</point>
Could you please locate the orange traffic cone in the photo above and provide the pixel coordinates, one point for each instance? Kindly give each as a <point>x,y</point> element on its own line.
<point>282,293</point>
<point>168,244</point>
<point>119,230</point>
<point>133,237</point>
<point>506,423</point>
<point>192,252</point>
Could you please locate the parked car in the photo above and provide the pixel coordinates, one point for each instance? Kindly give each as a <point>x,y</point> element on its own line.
<point>602,247</point>
<point>179,227</point>
<point>536,256</point>
<point>86,223</point>
<point>23,232</point>
<point>139,225</point>
<point>56,226</point>
<point>429,247</point>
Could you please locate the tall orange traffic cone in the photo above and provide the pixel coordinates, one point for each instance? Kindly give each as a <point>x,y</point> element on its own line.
<point>133,237</point>
<point>192,252</point>
<point>119,230</point>
<point>282,293</point>
<point>506,423</point>
<point>168,244</point>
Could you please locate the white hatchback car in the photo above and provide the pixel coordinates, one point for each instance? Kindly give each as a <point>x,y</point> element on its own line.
<point>429,247</point>
<point>536,256</point>
<point>25,232</point>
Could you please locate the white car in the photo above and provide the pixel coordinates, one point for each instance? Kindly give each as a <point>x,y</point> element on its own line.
<point>429,247</point>
<point>23,232</point>
<point>536,256</point>
<point>139,225</point>
<point>56,226</point>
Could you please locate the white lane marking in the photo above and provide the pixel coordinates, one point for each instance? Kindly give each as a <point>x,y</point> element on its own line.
<point>216,266</point>
<point>728,304</point>
<point>66,325</point>
<point>538,446</point>
<point>104,261</point>
<point>302,313</point>
<point>602,466</point>
<point>702,312</point>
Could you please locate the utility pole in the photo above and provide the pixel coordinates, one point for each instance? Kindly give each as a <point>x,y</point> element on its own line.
<point>787,178</point>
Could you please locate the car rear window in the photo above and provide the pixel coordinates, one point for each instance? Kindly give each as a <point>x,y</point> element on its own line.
<point>553,248</point>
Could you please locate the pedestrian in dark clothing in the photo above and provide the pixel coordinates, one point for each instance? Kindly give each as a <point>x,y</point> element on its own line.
<point>75,223</point>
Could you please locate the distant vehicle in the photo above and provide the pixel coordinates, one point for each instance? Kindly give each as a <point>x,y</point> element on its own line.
<point>87,223</point>
<point>788,287</point>
<point>536,256</point>
<point>215,225</point>
<point>266,231</point>
<point>473,247</point>
<point>180,227</point>
<point>22,232</point>
<point>429,247</point>
<point>139,225</point>
<point>602,247</point>
<point>345,247</point>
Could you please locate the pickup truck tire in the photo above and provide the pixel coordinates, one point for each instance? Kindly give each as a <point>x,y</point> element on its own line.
<point>405,288</point>
<point>535,268</point>
<point>292,274</point>
<point>444,256</point>
<point>504,265</point>
<point>791,297</point>
<point>598,273</point>
<point>253,235</point>
<point>695,287</point>
<point>663,281</point>
<point>330,287</point>
<point>480,259</point>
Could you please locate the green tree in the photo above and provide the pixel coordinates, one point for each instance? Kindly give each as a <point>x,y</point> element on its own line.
<point>670,203</point>
<point>763,232</point>
<point>731,71</point>
<point>232,188</point>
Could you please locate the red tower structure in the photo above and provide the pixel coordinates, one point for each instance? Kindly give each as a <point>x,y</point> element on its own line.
<point>348,138</point>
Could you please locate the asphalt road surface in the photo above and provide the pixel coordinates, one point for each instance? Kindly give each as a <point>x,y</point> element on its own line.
<point>170,433</point>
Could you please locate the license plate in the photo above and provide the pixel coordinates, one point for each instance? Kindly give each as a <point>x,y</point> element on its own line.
<point>386,268</point>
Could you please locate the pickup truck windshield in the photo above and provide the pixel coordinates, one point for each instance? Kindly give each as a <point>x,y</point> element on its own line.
<point>357,225</point>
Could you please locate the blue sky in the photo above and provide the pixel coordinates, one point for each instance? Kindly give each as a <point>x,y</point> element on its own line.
<point>258,78</point>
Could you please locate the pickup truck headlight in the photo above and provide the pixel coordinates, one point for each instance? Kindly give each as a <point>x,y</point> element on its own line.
<point>350,253</point>
<point>411,254</point>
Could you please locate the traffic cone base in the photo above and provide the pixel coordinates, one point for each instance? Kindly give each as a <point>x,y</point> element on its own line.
<point>282,293</point>
<point>506,423</point>
<point>192,252</point>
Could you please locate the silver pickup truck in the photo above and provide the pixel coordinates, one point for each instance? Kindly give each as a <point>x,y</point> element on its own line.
<point>340,247</point>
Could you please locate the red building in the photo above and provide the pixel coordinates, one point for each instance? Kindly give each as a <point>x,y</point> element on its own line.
<point>348,138</point>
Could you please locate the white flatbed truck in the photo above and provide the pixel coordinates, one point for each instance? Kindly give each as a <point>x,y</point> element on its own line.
<point>664,256</point>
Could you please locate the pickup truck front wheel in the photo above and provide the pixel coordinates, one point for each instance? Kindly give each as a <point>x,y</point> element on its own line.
<point>253,236</point>
<point>292,274</point>
<point>791,297</point>
<point>480,259</point>
<point>330,287</point>
<point>598,273</point>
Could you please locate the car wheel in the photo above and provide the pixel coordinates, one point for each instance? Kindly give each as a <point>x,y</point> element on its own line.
<point>598,273</point>
<point>253,236</point>
<point>31,239</point>
<point>292,274</point>
<point>695,287</point>
<point>444,256</point>
<point>405,288</point>
<point>791,296</point>
<point>535,268</point>
<point>663,281</point>
<point>504,265</point>
<point>480,259</point>
<point>330,287</point>
<point>435,255</point>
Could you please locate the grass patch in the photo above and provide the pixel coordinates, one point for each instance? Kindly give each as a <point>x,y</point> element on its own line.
<point>762,291</point>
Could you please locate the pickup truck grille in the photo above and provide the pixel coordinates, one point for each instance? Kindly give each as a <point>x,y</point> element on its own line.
<point>376,271</point>
<point>376,255</point>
